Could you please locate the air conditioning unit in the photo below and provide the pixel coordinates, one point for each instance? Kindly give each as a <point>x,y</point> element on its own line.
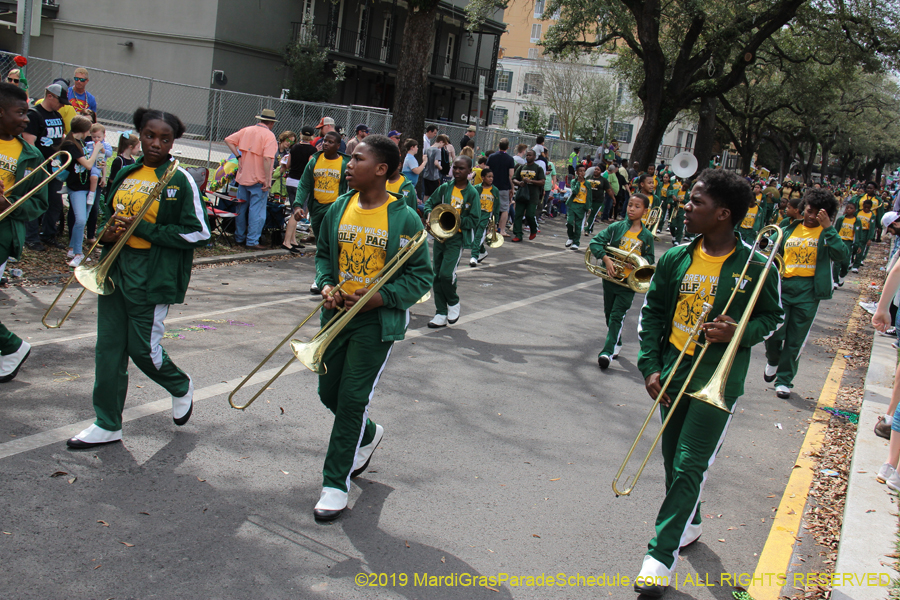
<point>219,78</point>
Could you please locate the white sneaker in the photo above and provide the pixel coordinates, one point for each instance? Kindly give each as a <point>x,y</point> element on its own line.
<point>11,363</point>
<point>855,270</point>
<point>183,407</point>
<point>93,436</point>
<point>70,254</point>
<point>893,481</point>
<point>76,261</point>
<point>841,281</point>
<point>482,256</point>
<point>691,534</point>
<point>770,373</point>
<point>331,503</point>
<point>782,391</point>
<point>438,321</point>
<point>314,289</point>
<point>885,472</point>
<point>364,453</point>
<point>568,243</point>
<point>473,262</point>
<point>653,579</point>
<point>574,247</point>
<point>453,313</point>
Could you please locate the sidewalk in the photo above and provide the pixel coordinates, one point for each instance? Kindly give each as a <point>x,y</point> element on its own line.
<point>869,530</point>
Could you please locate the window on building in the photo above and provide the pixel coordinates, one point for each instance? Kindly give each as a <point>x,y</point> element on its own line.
<point>620,94</point>
<point>533,53</point>
<point>556,15</point>
<point>504,81</point>
<point>535,33</point>
<point>689,144</point>
<point>538,9</point>
<point>499,116</point>
<point>534,84</point>
<point>523,116</point>
<point>622,132</point>
<point>553,125</point>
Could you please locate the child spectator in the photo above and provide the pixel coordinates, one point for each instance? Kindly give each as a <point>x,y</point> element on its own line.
<point>98,171</point>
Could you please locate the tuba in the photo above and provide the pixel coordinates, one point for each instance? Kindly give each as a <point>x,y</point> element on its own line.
<point>443,222</point>
<point>632,271</point>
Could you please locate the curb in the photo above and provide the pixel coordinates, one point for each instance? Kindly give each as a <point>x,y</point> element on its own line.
<point>869,528</point>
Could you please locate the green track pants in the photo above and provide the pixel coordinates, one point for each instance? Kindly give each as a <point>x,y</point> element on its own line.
<point>355,361</point>
<point>574,219</point>
<point>616,302</point>
<point>676,227</point>
<point>128,330</point>
<point>445,259</point>
<point>839,270</point>
<point>591,214</point>
<point>9,342</point>
<point>316,215</point>
<point>478,236</point>
<point>784,347</point>
<point>862,251</point>
<point>524,212</point>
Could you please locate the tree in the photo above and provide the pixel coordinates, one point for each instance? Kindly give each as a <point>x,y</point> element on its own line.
<point>534,120</point>
<point>308,66</point>
<point>580,96</point>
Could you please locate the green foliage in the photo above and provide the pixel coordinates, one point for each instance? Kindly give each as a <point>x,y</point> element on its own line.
<point>535,121</point>
<point>310,79</point>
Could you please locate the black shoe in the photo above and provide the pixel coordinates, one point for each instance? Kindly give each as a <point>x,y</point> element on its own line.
<point>76,444</point>
<point>186,416</point>
<point>603,360</point>
<point>769,378</point>
<point>297,246</point>
<point>36,246</point>
<point>326,515</point>
<point>651,591</point>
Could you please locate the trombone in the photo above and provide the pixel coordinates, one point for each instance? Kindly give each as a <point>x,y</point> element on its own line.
<point>96,278</point>
<point>48,177</point>
<point>310,353</point>
<point>713,393</point>
<point>443,222</point>
<point>632,271</point>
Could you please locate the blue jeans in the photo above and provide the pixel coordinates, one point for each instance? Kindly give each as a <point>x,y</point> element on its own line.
<point>78,202</point>
<point>251,212</point>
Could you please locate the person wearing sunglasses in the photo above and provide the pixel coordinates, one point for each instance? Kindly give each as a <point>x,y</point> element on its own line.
<point>13,77</point>
<point>78,94</point>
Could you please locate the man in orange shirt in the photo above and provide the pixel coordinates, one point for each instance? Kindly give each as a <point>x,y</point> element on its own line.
<point>255,146</point>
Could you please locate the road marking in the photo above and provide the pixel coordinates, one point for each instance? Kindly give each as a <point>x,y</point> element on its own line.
<point>213,313</point>
<point>779,547</point>
<point>60,434</point>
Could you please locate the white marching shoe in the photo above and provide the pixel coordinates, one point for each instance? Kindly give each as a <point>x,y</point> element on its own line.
<point>94,436</point>
<point>438,321</point>
<point>11,363</point>
<point>364,453</point>
<point>453,313</point>
<point>331,504</point>
<point>183,407</point>
<point>653,579</point>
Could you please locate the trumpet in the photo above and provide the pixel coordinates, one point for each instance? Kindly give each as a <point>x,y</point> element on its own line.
<point>443,222</point>
<point>310,353</point>
<point>493,239</point>
<point>48,177</point>
<point>713,393</point>
<point>632,271</point>
<point>96,278</point>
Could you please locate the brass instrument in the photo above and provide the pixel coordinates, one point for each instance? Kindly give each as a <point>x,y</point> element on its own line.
<point>310,353</point>
<point>632,270</point>
<point>653,220</point>
<point>493,239</point>
<point>48,177</point>
<point>96,278</point>
<point>713,393</point>
<point>443,222</point>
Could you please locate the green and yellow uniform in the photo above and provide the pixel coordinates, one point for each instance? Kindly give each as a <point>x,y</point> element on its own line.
<point>576,207</point>
<point>490,205</point>
<point>752,223</point>
<point>529,199</point>
<point>868,225</point>
<point>322,182</point>
<point>404,188</point>
<point>676,221</point>
<point>850,230</point>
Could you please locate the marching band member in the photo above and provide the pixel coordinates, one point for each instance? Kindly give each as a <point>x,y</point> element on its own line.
<point>752,221</point>
<point>868,225</point>
<point>646,185</point>
<point>17,159</point>
<point>346,250</point>
<point>151,273</point>
<point>849,228</point>
<point>490,205</point>
<point>459,194</point>
<point>870,194</point>
<point>676,220</point>
<point>322,182</point>
<point>666,185</point>
<point>686,277</point>
<point>809,248</point>
<point>600,189</point>
<point>629,235</point>
<point>403,187</point>
<point>576,207</point>
<point>531,176</point>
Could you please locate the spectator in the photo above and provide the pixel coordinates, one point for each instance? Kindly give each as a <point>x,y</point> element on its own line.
<point>255,146</point>
<point>98,183</point>
<point>469,135</point>
<point>299,155</point>
<point>324,126</point>
<point>502,166</point>
<point>432,172</point>
<point>430,133</point>
<point>634,170</point>
<point>78,182</point>
<point>45,130</point>
<point>78,94</point>
<point>521,149</point>
<point>539,147</point>
<point>468,150</point>
<point>395,136</point>
<point>362,131</point>
<point>67,112</point>
<point>550,181</point>
<point>411,167</point>
<point>285,141</point>
<point>128,143</point>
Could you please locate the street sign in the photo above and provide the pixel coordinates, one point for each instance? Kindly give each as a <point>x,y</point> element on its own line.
<point>35,17</point>
<point>481,95</point>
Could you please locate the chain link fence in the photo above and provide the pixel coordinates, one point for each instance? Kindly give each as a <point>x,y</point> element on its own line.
<point>212,114</point>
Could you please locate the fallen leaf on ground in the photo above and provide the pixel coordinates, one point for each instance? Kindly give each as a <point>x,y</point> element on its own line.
<point>104,523</point>
<point>73,480</point>
<point>127,545</point>
<point>58,474</point>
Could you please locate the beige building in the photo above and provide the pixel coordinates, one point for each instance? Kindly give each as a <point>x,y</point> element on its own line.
<point>524,29</point>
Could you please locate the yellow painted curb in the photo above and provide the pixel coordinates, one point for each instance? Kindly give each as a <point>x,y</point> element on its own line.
<point>770,574</point>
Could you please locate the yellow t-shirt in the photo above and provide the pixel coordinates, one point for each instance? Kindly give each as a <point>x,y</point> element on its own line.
<point>362,236</point>
<point>67,112</point>
<point>456,199</point>
<point>327,178</point>
<point>9,159</point>
<point>699,286</point>
<point>664,191</point>
<point>865,219</point>
<point>800,251</point>
<point>846,231</point>
<point>750,218</point>
<point>395,187</point>
<point>872,199</point>
<point>132,194</point>
<point>487,200</point>
<point>630,241</point>
<point>581,196</point>
<point>476,179</point>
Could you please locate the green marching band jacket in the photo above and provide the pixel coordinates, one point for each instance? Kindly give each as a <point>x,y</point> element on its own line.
<point>469,214</point>
<point>486,216</point>
<point>576,189</point>
<point>859,234</point>
<point>180,227</point>
<point>308,180</point>
<point>831,248</point>
<point>406,287</point>
<point>408,193</point>
<point>612,235</point>
<point>12,228</point>
<point>658,355</point>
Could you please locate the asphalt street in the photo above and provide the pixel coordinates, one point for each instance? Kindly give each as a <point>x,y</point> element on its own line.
<point>502,437</point>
